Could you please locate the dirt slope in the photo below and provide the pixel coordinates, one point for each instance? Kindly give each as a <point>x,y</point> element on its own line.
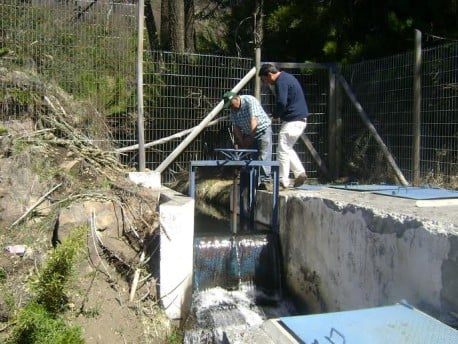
<point>53,179</point>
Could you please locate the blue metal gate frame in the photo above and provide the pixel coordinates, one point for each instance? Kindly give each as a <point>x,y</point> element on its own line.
<point>241,158</point>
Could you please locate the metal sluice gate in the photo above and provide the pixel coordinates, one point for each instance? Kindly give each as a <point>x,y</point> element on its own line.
<point>238,257</point>
<point>248,181</point>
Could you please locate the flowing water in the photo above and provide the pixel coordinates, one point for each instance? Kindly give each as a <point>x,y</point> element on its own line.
<point>236,283</point>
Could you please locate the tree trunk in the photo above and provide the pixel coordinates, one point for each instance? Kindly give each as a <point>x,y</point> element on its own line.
<point>259,33</point>
<point>151,26</point>
<point>165,31</point>
<point>189,40</point>
<point>176,25</point>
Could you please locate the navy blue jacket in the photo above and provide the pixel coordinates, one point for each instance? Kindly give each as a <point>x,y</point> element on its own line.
<point>290,99</point>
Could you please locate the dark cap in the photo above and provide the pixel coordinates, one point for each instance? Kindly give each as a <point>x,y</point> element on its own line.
<point>227,97</point>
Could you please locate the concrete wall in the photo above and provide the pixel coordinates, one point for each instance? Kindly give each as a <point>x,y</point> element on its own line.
<point>344,251</point>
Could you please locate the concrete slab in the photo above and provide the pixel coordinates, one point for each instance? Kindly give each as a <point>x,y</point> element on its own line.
<point>278,333</point>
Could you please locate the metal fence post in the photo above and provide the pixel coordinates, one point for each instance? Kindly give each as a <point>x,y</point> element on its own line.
<point>416,132</point>
<point>141,133</point>
<point>333,127</point>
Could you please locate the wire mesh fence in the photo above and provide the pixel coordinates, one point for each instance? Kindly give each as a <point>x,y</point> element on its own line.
<point>384,88</point>
<point>439,111</point>
<point>89,50</point>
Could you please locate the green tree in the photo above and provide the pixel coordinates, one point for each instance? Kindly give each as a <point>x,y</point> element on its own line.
<point>337,31</point>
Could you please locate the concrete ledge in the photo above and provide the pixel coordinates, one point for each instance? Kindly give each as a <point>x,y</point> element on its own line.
<point>148,179</point>
<point>277,333</point>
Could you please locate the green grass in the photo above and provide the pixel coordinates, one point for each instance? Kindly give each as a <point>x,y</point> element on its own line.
<point>3,275</point>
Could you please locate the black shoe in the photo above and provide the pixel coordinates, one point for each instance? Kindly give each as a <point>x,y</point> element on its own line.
<point>300,180</point>
<point>262,186</point>
<point>265,186</point>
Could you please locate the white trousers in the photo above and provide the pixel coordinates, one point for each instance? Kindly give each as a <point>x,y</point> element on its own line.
<point>287,156</point>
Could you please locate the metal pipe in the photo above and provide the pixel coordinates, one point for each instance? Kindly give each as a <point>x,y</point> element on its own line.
<point>257,83</point>
<point>234,205</point>
<point>169,138</point>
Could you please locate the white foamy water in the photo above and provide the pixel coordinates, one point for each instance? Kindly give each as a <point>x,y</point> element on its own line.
<point>236,316</point>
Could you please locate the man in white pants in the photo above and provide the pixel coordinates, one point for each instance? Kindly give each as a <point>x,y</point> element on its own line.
<point>292,110</point>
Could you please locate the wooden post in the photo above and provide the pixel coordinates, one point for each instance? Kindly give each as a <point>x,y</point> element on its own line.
<point>314,154</point>
<point>169,138</point>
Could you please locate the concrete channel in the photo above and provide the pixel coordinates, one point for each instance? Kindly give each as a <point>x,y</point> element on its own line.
<point>341,250</point>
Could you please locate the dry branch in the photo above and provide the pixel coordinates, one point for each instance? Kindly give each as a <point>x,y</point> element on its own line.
<point>133,288</point>
<point>96,238</point>
<point>68,136</point>
<point>37,203</point>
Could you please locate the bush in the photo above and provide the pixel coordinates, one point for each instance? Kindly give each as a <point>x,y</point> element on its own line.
<point>52,280</point>
<point>35,325</point>
<point>40,322</point>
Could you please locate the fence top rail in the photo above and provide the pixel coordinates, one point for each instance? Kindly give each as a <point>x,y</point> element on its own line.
<point>304,65</point>
<point>167,52</point>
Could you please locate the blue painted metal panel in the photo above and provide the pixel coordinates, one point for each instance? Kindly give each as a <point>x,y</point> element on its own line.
<point>365,187</point>
<point>419,193</point>
<point>391,324</point>
<point>412,192</point>
<point>310,187</point>
<point>424,192</point>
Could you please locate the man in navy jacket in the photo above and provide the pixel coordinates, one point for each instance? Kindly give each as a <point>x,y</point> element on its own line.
<point>291,108</point>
